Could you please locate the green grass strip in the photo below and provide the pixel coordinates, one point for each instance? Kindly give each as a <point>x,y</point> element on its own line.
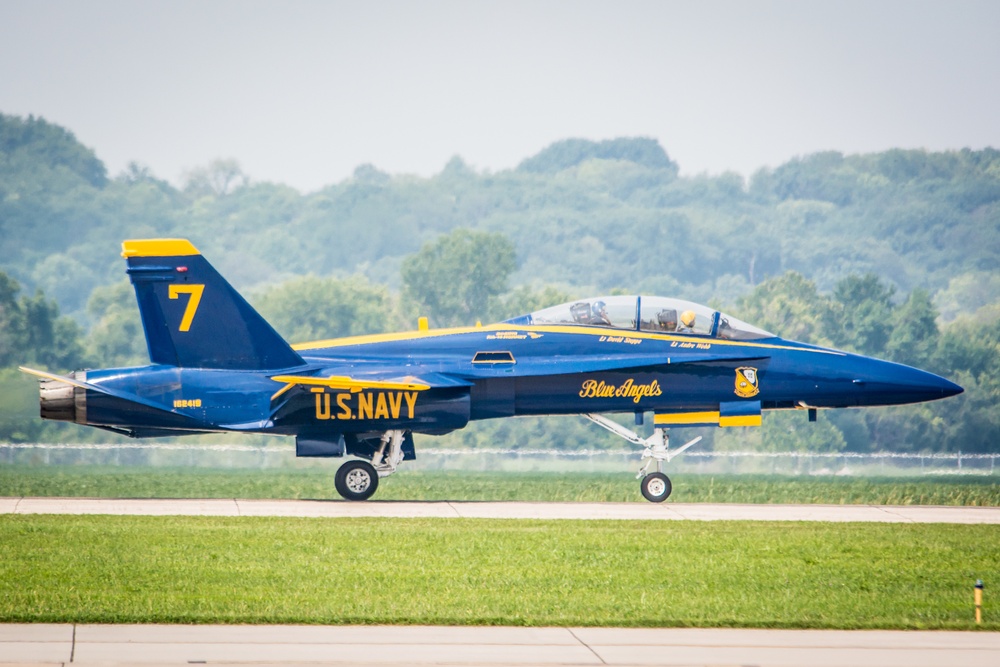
<point>110,569</point>
<point>125,482</point>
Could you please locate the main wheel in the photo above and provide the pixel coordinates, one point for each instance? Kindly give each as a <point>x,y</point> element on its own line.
<point>656,487</point>
<point>356,480</point>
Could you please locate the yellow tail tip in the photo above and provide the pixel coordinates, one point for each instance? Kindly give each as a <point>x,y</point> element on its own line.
<point>158,248</point>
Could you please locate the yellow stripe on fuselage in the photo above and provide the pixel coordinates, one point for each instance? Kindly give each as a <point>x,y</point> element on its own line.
<point>158,248</point>
<point>543,329</point>
<point>682,418</point>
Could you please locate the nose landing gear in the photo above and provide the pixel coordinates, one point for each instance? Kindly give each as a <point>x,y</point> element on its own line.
<point>655,486</point>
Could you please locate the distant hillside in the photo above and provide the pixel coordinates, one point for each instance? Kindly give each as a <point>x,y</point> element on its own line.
<point>591,216</point>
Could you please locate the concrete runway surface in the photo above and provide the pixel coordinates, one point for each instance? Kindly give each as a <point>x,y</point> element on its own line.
<point>112,645</point>
<point>503,510</point>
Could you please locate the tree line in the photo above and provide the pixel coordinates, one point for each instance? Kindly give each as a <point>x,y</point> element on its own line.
<point>891,254</point>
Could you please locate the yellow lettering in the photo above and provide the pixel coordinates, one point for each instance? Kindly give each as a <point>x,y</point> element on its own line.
<point>625,389</point>
<point>345,409</point>
<point>323,406</point>
<point>381,408</point>
<point>194,293</point>
<point>395,403</point>
<point>411,401</point>
<point>365,405</point>
<point>628,389</point>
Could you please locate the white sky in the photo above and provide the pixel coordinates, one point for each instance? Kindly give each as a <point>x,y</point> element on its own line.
<point>302,91</point>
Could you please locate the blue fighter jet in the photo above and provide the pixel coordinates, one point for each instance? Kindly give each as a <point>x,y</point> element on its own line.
<point>218,366</point>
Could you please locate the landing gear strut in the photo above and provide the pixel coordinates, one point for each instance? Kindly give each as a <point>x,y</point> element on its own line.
<point>656,486</point>
<point>358,479</point>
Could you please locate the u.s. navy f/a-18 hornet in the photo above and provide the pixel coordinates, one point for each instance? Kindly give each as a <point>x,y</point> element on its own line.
<point>218,366</point>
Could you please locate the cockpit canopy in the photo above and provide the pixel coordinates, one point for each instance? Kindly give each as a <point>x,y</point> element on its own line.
<point>646,313</point>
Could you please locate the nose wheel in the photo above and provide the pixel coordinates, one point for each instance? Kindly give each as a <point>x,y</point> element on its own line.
<point>656,487</point>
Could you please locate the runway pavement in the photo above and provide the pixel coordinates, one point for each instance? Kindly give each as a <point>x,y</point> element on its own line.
<point>113,645</point>
<point>150,645</point>
<point>504,510</point>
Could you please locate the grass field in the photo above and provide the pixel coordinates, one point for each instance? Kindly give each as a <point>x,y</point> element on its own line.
<point>105,569</point>
<point>124,482</point>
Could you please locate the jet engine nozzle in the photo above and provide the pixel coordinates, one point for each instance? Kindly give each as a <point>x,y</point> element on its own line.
<point>61,401</point>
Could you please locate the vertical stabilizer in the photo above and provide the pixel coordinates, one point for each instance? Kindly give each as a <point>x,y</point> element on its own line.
<point>193,318</point>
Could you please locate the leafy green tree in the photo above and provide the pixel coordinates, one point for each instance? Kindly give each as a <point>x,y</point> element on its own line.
<point>968,352</point>
<point>33,332</point>
<point>13,334</point>
<point>218,179</point>
<point>116,338</point>
<point>48,187</point>
<point>459,277</point>
<point>866,313</point>
<point>967,294</point>
<point>791,307</point>
<point>527,299</point>
<point>53,341</point>
<point>914,336</point>
<point>571,152</point>
<point>313,308</point>
<point>34,141</point>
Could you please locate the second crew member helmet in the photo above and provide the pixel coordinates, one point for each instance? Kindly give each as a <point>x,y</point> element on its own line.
<point>687,318</point>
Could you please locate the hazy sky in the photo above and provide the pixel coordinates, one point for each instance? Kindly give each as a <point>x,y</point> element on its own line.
<point>302,92</point>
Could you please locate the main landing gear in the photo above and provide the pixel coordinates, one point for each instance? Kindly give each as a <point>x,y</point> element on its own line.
<point>655,486</point>
<point>358,479</point>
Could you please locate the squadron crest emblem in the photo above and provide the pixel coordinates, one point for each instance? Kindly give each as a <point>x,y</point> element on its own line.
<point>746,382</point>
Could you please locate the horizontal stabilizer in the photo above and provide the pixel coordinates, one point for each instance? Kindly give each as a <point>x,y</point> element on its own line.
<point>132,398</point>
<point>127,403</point>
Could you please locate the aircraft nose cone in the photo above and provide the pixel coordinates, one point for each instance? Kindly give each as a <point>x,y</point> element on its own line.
<point>888,383</point>
<point>948,388</point>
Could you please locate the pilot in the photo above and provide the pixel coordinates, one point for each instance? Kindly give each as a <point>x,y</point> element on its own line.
<point>667,320</point>
<point>600,314</point>
<point>687,322</point>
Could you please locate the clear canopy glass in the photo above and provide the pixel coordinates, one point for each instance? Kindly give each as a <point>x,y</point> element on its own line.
<point>646,313</point>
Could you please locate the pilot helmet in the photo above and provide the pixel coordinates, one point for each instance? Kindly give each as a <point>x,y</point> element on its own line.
<point>687,318</point>
<point>667,319</point>
<point>599,307</point>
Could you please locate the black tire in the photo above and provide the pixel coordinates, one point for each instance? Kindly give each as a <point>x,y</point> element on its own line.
<point>356,480</point>
<point>656,487</point>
